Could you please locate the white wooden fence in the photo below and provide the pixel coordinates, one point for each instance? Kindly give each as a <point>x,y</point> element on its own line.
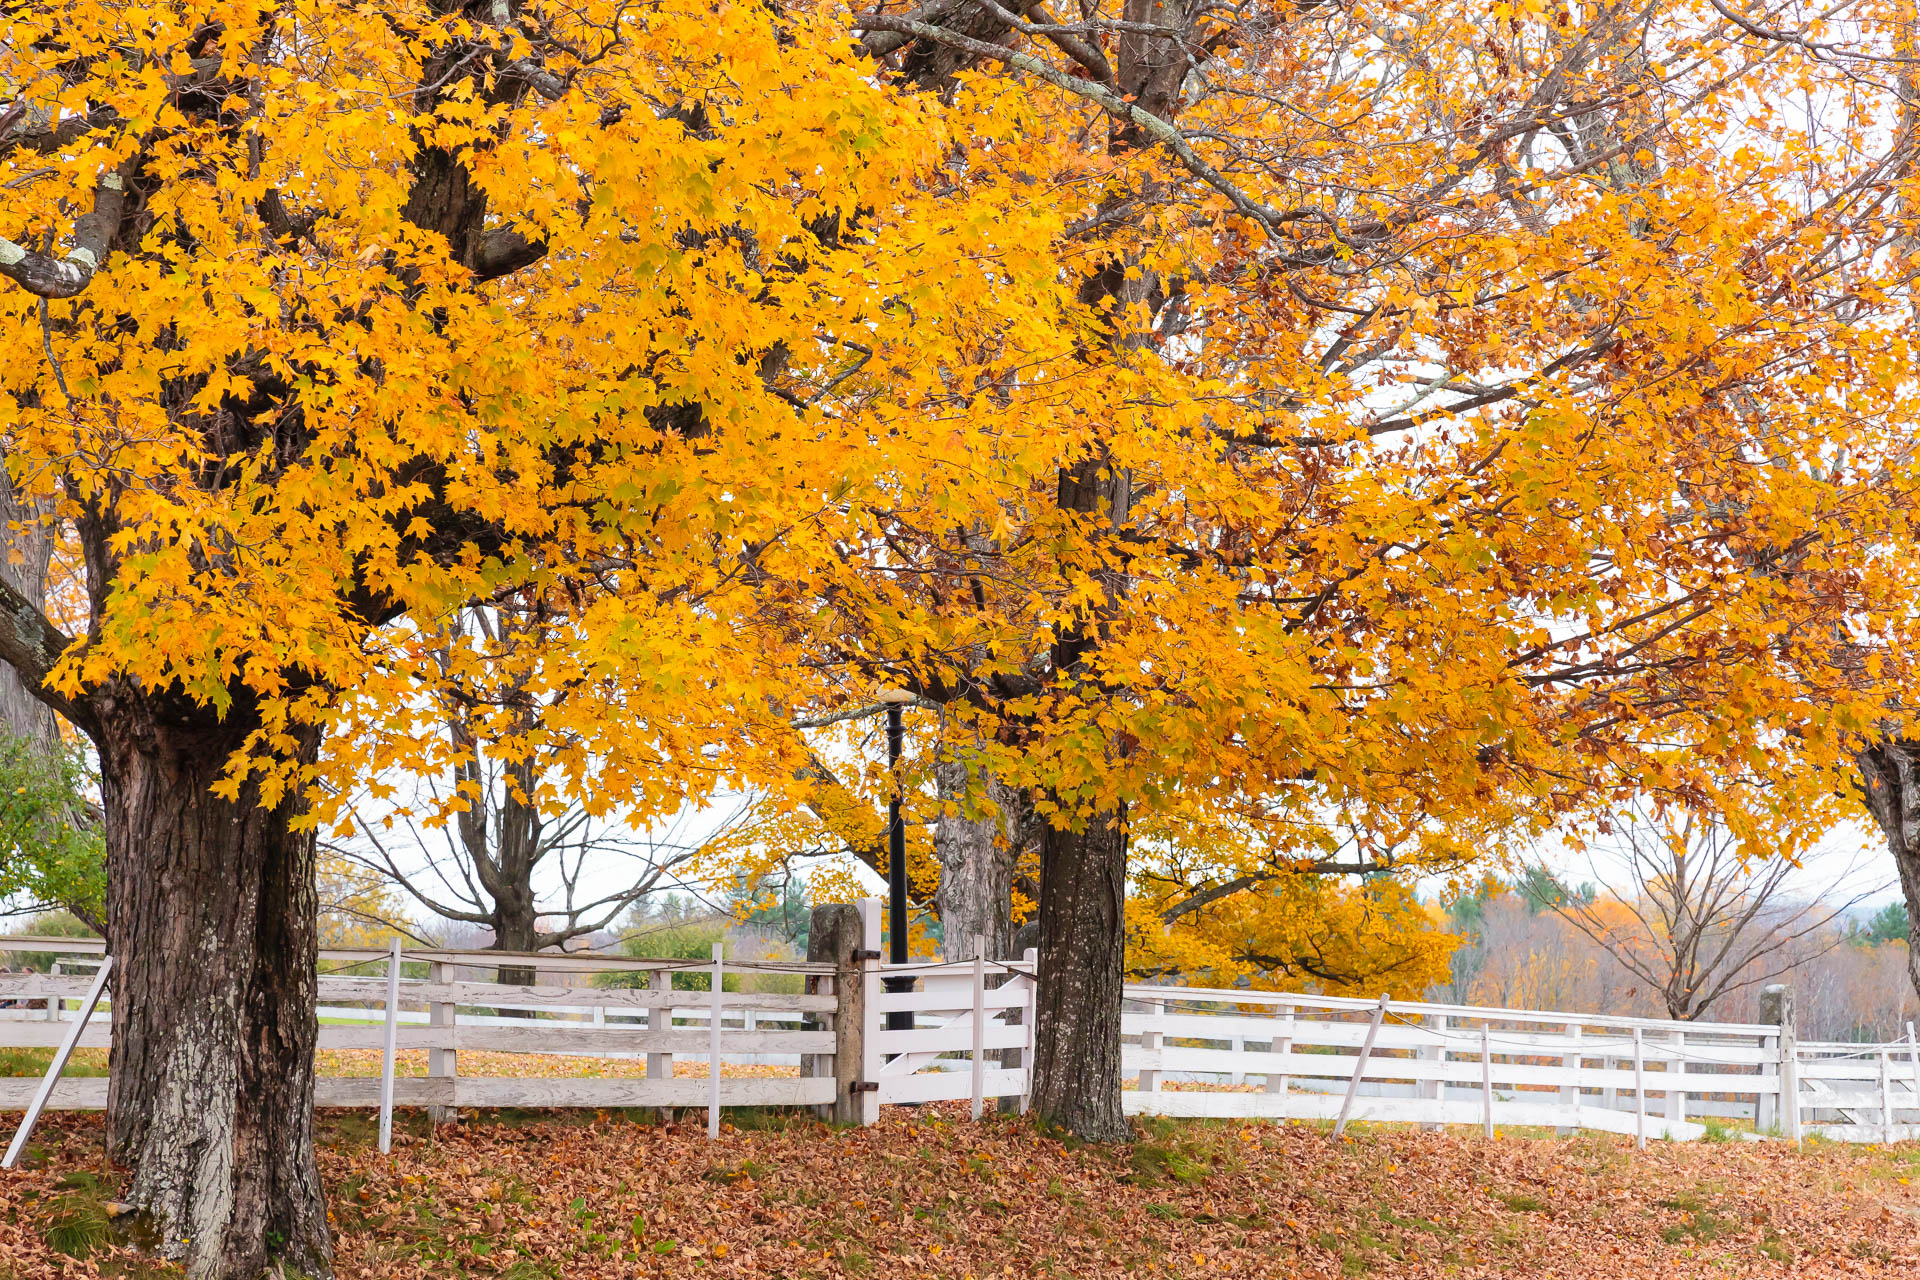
<point>1185,1052</point>
<point>1444,1064</point>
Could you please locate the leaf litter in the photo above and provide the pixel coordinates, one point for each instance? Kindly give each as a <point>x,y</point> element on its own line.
<point>586,1196</point>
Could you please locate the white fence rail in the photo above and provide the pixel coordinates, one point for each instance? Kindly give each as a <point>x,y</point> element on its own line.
<point>1185,1051</point>
<point>1298,1056</point>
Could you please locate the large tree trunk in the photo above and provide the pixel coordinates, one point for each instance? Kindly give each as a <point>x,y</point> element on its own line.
<point>212,926</point>
<point>1890,785</point>
<point>1083,876</point>
<point>977,846</point>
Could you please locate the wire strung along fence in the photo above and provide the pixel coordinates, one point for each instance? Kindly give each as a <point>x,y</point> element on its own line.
<point>723,1033</point>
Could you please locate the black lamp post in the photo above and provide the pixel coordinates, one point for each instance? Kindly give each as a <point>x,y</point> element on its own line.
<point>899,1019</point>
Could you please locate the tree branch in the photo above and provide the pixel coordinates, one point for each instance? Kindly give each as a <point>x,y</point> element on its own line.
<point>45,276</point>
<point>1106,99</point>
<point>31,645</point>
<point>503,250</point>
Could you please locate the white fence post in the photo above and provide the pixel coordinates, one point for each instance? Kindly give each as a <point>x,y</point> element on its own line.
<point>1570,1092</point>
<point>1360,1066</point>
<point>1435,1090</point>
<point>1639,1094</point>
<point>1886,1096</point>
<point>389,1047</point>
<point>979,1025</point>
<point>1677,1082</point>
<point>1151,1041</point>
<point>869,1082</point>
<point>1281,1045</point>
<point>1027,1019</point>
<point>1766,1106</point>
<point>1486,1079</point>
<point>713,1047</point>
<point>59,1064</point>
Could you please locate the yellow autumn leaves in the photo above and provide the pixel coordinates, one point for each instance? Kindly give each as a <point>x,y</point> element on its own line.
<point>1548,441</point>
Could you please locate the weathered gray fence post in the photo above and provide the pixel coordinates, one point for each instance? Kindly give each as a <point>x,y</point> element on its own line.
<point>1360,1065</point>
<point>1766,1106</point>
<point>1776,1009</point>
<point>834,936</point>
<point>660,1018</point>
<point>442,1064</point>
<point>715,1011</point>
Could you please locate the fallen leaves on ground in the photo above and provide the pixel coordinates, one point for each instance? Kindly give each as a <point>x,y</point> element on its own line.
<point>929,1193</point>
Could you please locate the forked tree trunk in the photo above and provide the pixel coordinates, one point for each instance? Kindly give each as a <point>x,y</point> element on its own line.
<point>212,926</point>
<point>1077,1007</point>
<point>1890,785</point>
<point>514,930</point>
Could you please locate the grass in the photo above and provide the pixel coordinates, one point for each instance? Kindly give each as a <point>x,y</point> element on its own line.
<point>34,1062</point>
<point>76,1226</point>
<point>1524,1203</point>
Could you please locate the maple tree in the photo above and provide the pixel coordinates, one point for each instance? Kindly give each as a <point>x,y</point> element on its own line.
<point>324,323</point>
<point>1478,414</point>
<point>358,908</point>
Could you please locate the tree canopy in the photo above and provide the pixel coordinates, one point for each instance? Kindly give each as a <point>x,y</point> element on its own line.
<point>1247,427</point>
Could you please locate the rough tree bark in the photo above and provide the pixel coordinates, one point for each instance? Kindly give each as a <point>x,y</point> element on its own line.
<point>1890,786</point>
<point>212,925</point>
<point>977,852</point>
<point>1076,1082</point>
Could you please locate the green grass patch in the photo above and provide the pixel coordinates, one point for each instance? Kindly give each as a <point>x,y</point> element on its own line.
<point>34,1062</point>
<point>76,1225</point>
<point>1717,1130</point>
